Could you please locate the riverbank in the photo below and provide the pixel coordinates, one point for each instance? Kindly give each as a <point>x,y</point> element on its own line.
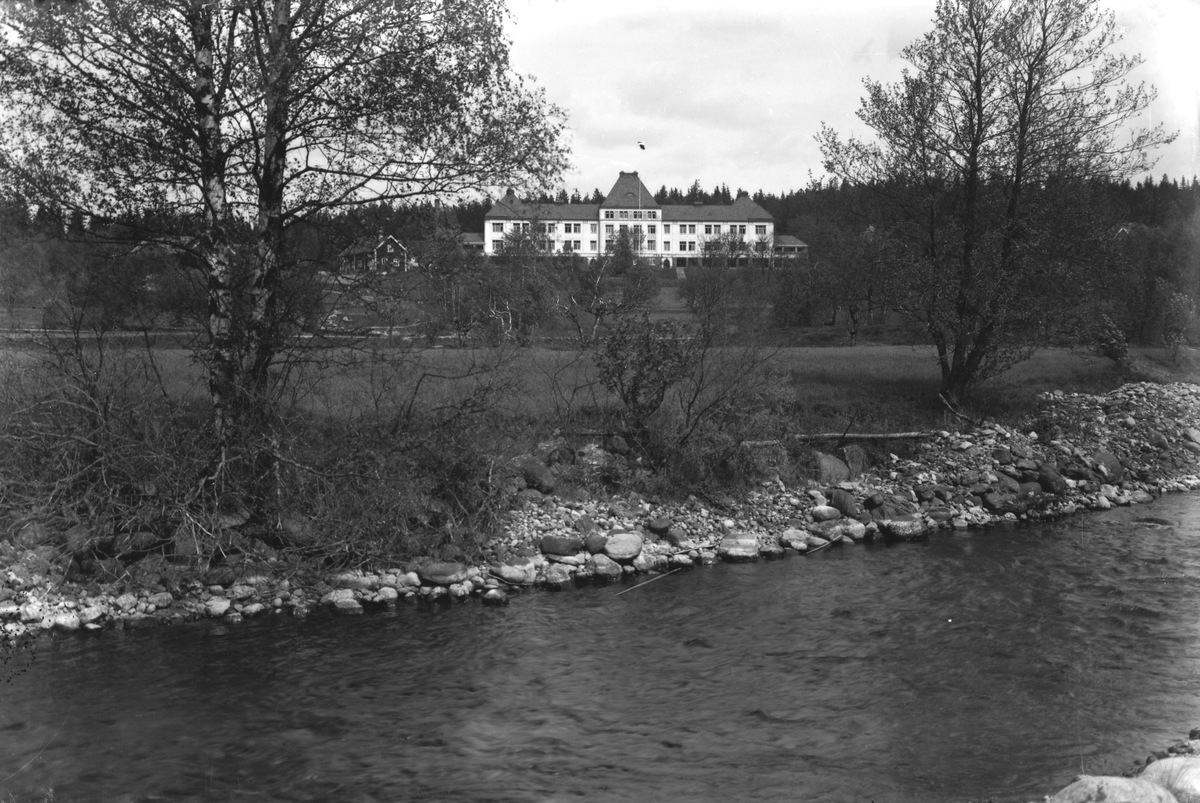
<point>1081,452</point>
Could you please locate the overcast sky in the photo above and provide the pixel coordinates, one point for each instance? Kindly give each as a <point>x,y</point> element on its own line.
<point>734,92</point>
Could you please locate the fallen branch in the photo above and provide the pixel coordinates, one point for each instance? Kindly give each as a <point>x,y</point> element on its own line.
<point>826,436</point>
<point>833,541</point>
<point>646,583</point>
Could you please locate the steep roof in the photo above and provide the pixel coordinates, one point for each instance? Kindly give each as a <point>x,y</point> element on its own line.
<point>629,192</point>
<point>368,245</point>
<point>744,205</point>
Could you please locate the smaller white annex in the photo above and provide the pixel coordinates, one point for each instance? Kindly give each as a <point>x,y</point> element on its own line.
<point>676,235</point>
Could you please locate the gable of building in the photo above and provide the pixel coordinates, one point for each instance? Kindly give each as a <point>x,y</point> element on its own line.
<point>629,192</point>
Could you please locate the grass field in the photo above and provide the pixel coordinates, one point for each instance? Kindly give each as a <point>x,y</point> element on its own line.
<point>879,387</point>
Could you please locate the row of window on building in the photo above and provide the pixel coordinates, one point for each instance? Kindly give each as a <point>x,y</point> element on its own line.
<point>684,228</point>
<point>569,246</point>
<point>636,214</point>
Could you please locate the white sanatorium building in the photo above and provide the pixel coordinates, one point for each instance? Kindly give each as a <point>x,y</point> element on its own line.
<point>676,234</point>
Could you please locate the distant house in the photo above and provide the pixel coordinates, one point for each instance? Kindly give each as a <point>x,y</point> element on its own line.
<point>471,242</point>
<point>381,254</point>
<point>789,247</point>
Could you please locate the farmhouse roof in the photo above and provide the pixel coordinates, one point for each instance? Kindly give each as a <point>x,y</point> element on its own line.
<point>369,245</point>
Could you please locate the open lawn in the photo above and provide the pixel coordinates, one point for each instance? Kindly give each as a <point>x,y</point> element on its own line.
<point>871,388</point>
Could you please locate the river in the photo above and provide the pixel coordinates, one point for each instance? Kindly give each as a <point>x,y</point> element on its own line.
<point>978,665</point>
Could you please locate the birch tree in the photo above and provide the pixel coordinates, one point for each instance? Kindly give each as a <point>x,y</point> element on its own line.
<point>247,117</point>
<point>986,152</point>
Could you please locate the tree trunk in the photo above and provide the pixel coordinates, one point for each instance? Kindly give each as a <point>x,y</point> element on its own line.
<point>215,246</point>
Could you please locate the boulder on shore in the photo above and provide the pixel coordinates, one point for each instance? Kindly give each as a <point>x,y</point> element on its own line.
<point>830,470</point>
<point>442,574</point>
<point>1111,789</point>
<point>738,547</point>
<point>904,528</point>
<point>623,545</point>
<point>1179,774</point>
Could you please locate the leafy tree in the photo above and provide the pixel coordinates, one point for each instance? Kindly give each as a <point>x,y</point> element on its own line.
<point>260,113</point>
<point>613,285</point>
<point>988,153</point>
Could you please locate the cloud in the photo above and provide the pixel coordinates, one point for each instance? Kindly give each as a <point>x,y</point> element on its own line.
<point>731,94</point>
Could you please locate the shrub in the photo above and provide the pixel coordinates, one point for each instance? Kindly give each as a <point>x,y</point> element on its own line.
<point>639,361</point>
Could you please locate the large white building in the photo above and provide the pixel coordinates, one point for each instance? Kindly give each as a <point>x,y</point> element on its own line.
<point>675,234</point>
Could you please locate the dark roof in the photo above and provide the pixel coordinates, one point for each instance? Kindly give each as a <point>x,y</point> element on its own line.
<point>787,239</point>
<point>630,192</point>
<point>737,211</point>
<point>510,207</point>
<point>369,245</point>
<point>470,238</point>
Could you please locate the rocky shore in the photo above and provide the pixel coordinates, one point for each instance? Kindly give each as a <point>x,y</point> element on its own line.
<point>1086,453</point>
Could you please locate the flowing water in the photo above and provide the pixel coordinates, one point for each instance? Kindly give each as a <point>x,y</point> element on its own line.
<point>990,664</point>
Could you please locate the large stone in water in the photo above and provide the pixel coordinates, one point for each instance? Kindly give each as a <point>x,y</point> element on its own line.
<point>347,607</point>
<point>558,577</point>
<point>1179,774</point>
<point>841,528</point>
<point>67,622</point>
<point>904,528</point>
<point>602,567</point>
<point>91,614</point>
<point>738,547</point>
<point>216,606</point>
<point>495,597</point>
<point>794,538</point>
<point>442,574</point>
<point>1111,789</point>
<point>518,571</point>
<point>623,546</point>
